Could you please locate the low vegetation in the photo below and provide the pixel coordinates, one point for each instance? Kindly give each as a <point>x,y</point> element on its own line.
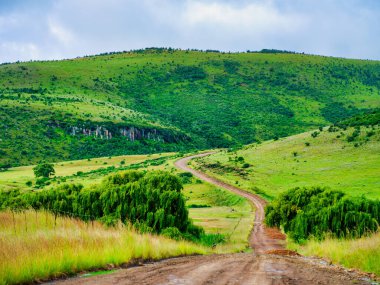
<point>315,212</point>
<point>151,201</point>
<point>222,214</point>
<point>362,253</point>
<point>36,245</point>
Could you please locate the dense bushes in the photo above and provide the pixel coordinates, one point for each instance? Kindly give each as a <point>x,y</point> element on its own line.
<point>151,201</point>
<point>305,212</point>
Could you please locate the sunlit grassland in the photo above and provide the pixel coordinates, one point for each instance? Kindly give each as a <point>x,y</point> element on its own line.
<point>276,166</point>
<point>221,212</point>
<point>33,246</point>
<point>17,177</point>
<point>363,253</point>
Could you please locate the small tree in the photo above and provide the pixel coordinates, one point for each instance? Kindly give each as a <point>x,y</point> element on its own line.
<point>44,170</point>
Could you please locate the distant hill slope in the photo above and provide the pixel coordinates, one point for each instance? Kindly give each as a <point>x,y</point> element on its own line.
<point>345,158</point>
<point>164,99</point>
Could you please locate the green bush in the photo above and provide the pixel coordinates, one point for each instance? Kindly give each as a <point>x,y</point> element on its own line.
<point>152,201</point>
<point>316,211</point>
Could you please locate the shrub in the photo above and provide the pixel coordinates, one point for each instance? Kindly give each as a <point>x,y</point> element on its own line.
<point>44,170</point>
<point>316,211</point>
<point>314,134</point>
<point>151,201</point>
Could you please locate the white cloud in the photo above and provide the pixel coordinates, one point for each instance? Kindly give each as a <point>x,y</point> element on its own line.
<point>258,17</point>
<point>70,28</point>
<point>22,51</point>
<point>59,32</point>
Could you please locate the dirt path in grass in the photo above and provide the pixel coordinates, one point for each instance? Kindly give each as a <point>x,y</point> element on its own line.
<point>261,268</point>
<point>262,239</point>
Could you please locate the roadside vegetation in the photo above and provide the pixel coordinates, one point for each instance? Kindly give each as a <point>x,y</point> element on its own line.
<point>222,220</point>
<point>316,212</point>
<point>339,218</point>
<point>362,253</point>
<point>36,246</point>
<point>150,201</point>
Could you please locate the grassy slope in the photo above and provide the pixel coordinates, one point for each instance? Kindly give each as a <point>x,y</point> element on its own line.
<point>218,99</point>
<point>36,247</point>
<point>328,161</point>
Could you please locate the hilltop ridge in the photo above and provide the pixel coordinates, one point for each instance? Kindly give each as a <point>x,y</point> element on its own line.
<point>156,100</point>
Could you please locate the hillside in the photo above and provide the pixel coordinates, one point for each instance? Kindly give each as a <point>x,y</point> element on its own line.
<point>342,158</point>
<point>158,100</point>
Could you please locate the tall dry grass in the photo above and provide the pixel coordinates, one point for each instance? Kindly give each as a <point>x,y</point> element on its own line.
<point>362,253</point>
<point>33,246</point>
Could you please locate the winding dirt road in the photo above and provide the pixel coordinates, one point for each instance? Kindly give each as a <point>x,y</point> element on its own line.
<point>258,268</point>
<point>262,239</point>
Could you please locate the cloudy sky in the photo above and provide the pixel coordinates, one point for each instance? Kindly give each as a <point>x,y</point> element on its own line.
<point>55,29</point>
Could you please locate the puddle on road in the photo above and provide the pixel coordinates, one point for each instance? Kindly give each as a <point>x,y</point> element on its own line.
<point>96,273</point>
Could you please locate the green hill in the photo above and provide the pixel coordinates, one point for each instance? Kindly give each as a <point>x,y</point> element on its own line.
<point>344,158</point>
<point>158,100</point>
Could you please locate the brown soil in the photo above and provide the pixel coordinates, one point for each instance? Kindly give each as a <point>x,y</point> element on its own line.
<point>270,263</point>
<point>240,268</point>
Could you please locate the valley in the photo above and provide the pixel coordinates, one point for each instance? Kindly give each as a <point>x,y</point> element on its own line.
<point>265,164</point>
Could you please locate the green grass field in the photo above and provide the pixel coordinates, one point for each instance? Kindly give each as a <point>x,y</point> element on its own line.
<point>301,160</point>
<point>17,177</point>
<point>221,212</point>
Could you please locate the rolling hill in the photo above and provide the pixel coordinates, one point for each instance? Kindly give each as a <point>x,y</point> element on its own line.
<point>157,100</point>
<point>342,157</point>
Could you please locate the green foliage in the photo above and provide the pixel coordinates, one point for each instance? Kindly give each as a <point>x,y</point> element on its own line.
<point>370,118</point>
<point>44,170</point>
<point>183,99</point>
<point>151,201</point>
<point>186,177</point>
<point>316,211</point>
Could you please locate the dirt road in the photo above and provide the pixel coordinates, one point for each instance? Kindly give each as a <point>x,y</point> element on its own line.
<point>259,268</point>
<point>261,239</point>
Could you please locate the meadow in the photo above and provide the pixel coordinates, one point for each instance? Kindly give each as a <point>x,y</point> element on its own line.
<point>36,246</point>
<point>327,160</point>
<point>17,177</point>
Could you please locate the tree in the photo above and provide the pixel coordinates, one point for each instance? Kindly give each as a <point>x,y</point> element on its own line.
<point>44,170</point>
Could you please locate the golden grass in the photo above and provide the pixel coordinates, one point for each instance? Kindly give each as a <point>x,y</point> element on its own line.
<point>363,253</point>
<point>34,247</point>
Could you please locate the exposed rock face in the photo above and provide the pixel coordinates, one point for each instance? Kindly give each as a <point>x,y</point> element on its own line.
<point>130,133</point>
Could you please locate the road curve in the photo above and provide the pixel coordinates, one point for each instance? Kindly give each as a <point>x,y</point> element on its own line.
<point>261,239</point>
<point>223,269</point>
